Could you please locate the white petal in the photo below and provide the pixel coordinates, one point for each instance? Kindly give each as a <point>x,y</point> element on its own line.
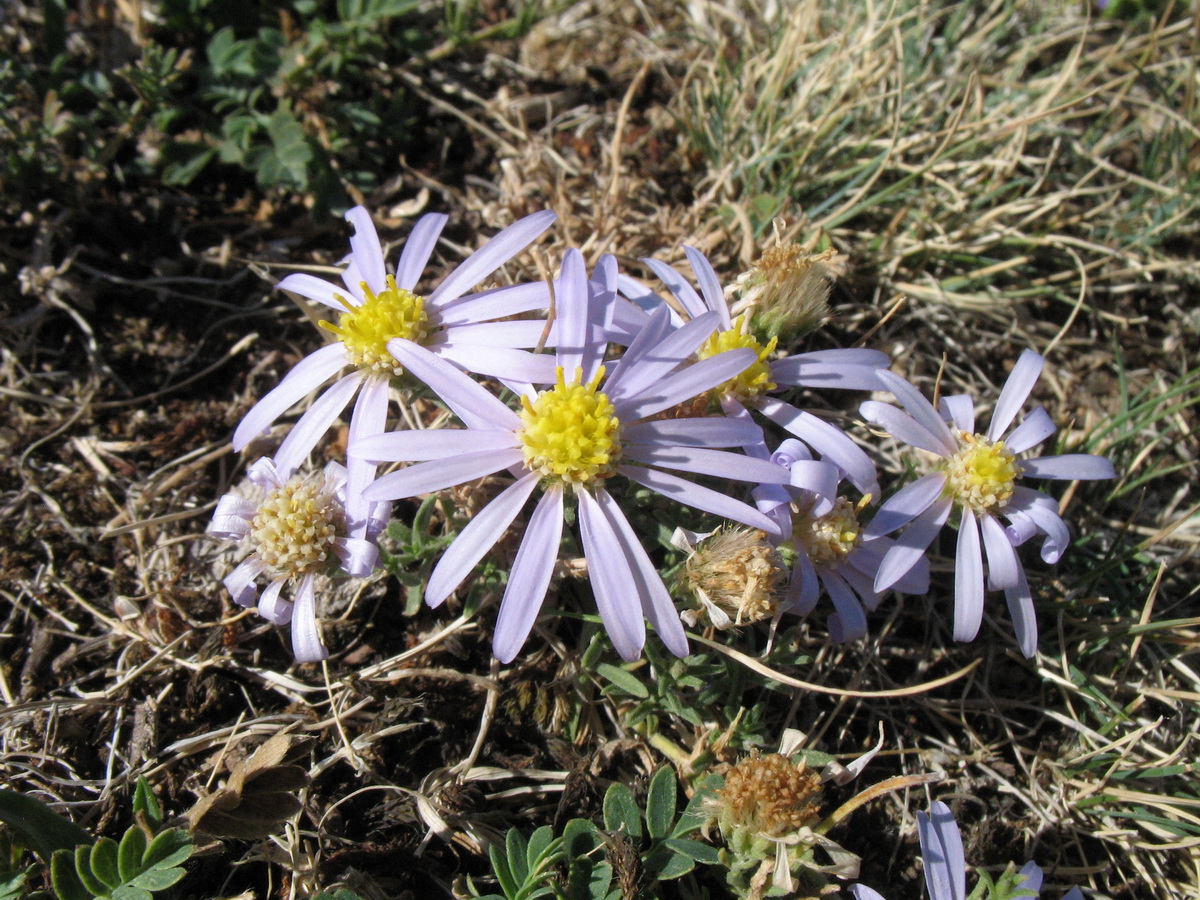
<point>701,498</point>
<point>368,254</point>
<point>613,584</point>
<point>477,538</point>
<point>906,504</point>
<point>718,463</point>
<point>1069,466</point>
<point>306,637</point>
<point>1015,392</point>
<point>314,289</point>
<point>961,411</point>
<point>358,556</point>
<point>920,409</point>
<point>471,402</point>
<point>240,582</point>
<point>530,576</point>
<point>232,517</point>
<point>418,248</point>
<point>427,477</point>
<point>368,419</point>
<point>316,420</point>
<point>1031,432</point>
<point>710,285</point>
<point>306,376</point>
<point>968,580</point>
<point>492,255</point>
<point>910,546</point>
<point>272,606</point>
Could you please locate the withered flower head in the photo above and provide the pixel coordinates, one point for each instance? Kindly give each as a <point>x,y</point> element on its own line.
<point>787,289</point>
<point>770,796</point>
<point>735,576</point>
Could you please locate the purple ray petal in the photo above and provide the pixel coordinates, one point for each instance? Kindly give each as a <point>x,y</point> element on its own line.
<point>1069,466</point>
<point>500,362</point>
<point>613,584</point>
<point>920,409</point>
<point>530,576</point>
<point>272,606</point>
<point>434,443</point>
<point>804,590</point>
<point>527,333</point>
<point>573,316</point>
<point>1031,878</point>
<point>968,580</point>
<point>1004,567</point>
<point>427,477</point>
<point>906,504</point>
<point>867,558</point>
<point>677,285</point>
<point>817,478</point>
<point>358,556</point>
<point>470,401</point>
<point>496,303</point>
<point>368,254</point>
<point>718,463</point>
<point>851,370</point>
<point>240,582</point>
<point>232,517</point>
<point>713,431</point>
<point>316,420</point>
<point>961,411</point>
<point>910,546</point>
<point>418,248</point>
<point>474,541</point>
<point>1042,511</point>
<point>902,426</point>
<point>862,892</point>
<point>1031,432</point>
<point>368,419</point>
<point>1015,392</point>
<point>623,321</point>
<point>491,256</point>
<point>640,295</point>
<point>655,352</point>
<point>942,851</point>
<point>863,584</point>
<point>306,638</point>
<point>685,384</point>
<point>701,498</point>
<point>314,289</point>
<point>710,285</point>
<point>655,600</point>
<point>828,440</point>
<point>849,623</point>
<point>305,377</point>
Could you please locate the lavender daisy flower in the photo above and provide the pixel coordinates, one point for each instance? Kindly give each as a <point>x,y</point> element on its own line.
<point>979,474</point>
<point>569,440</point>
<point>946,865</point>
<point>832,556</point>
<point>845,369</point>
<point>376,306</point>
<point>296,531</point>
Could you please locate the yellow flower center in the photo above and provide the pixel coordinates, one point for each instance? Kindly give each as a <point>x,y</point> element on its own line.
<point>754,380</point>
<point>296,526</point>
<point>829,538</point>
<point>570,434</point>
<point>980,475</point>
<point>365,330</point>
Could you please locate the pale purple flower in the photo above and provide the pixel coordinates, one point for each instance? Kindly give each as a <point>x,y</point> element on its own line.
<point>376,306</point>
<point>569,440</point>
<point>295,532</point>
<point>946,865</point>
<point>832,556</point>
<point>852,369</point>
<point>978,473</point>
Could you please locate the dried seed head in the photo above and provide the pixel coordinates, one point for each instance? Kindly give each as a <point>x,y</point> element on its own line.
<point>787,290</point>
<point>769,796</point>
<point>736,571</point>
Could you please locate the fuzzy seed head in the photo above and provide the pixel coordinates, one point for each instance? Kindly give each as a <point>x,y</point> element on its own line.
<point>365,330</point>
<point>756,379</point>
<point>296,526</point>
<point>981,474</point>
<point>787,289</point>
<point>738,571</point>
<point>570,433</point>
<point>769,796</point>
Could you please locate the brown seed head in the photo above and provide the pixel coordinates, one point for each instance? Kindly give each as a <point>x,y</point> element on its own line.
<point>769,795</point>
<point>738,571</point>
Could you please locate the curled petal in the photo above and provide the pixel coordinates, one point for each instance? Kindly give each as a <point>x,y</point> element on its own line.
<point>240,582</point>
<point>358,556</point>
<point>828,440</point>
<point>272,606</point>
<point>306,637</point>
<point>232,517</point>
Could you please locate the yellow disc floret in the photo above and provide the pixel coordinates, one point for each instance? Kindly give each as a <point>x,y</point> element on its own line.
<point>570,434</point>
<point>296,526</point>
<point>981,473</point>
<point>365,330</point>
<point>754,380</point>
<point>830,538</point>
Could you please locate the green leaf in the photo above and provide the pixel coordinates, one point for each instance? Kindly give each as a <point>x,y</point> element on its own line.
<point>695,850</point>
<point>159,879</point>
<point>695,814</point>
<point>675,865</point>
<point>626,681</point>
<point>145,802</point>
<point>103,862</point>
<point>83,871</point>
<point>64,878</point>
<point>502,872</point>
<point>660,803</point>
<point>516,847</point>
<point>170,848</point>
<point>539,843</point>
<point>42,829</point>
<point>131,892</point>
<point>621,811</point>
<point>129,854</point>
